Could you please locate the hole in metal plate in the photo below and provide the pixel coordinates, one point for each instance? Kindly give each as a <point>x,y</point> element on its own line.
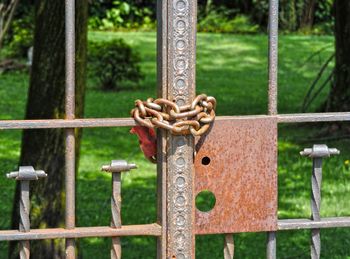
<point>205,201</point>
<point>205,160</point>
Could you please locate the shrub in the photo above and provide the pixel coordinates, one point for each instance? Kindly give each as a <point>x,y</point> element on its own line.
<point>123,15</point>
<point>114,62</point>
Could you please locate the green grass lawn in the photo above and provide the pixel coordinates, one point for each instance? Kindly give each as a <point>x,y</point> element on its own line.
<point>233,68</point>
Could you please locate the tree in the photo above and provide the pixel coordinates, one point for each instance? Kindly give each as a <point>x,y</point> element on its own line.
<point>45,149</point>
<point>308,14</point>
<point>7,11</point>
<point>339,96</point>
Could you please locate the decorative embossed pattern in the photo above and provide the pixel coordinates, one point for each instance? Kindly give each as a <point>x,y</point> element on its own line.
<point>181,89</point>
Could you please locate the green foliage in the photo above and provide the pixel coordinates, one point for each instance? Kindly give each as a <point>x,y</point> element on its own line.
<point>324,18</point>
<point>288,15</point>
<point>219,21</point>
<point>324,11</point>
<point>123,15</point>
<point>21,37</point>
<point>291,14</point>
<point>234,16</point>
<point>260,11</point>
<point>114,62</point>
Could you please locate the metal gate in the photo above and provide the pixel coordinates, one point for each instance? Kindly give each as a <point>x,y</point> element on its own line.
<point>178,220</point>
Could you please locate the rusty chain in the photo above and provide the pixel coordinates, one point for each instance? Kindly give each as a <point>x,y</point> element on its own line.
<point>194,118</point>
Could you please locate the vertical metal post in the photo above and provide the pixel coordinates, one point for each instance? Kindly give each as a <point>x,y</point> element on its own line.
<point>229,247</point>
<point>116,249</point>
<point>316,181</point>
<point>24,175</point>
<point>116,168</point>
<point>273,56</point>
<point>162,57</point>
<point>271,245</point>
<point>272,93</point>
<point>24,223</point>
<point>317,153</point>
<point>176,78</point>
<point>70,114</point>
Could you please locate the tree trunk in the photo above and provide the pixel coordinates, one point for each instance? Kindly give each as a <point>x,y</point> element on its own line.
<point>288,15</point>
<point>208,7</point>
<point>45,149</point>
<point>307,18</point>
<point>7,12</point>
<point>339,96</point>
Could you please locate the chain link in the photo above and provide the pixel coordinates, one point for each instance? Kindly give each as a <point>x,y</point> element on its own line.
<point>194,118</point>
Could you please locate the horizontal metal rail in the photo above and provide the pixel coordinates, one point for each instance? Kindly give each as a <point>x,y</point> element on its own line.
<point>129,122</point>
<point>152,230</point>
<point>313,117</point>
<point>60,123</point>
<point>82,232</point>
<point>335,222</point>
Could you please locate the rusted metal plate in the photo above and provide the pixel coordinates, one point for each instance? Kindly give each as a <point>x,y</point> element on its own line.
<point>242,174</point>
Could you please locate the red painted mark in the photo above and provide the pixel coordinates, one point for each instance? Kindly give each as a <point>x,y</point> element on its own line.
<point>147,140</point>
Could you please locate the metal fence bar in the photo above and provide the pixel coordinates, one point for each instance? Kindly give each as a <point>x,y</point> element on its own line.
<point>313,117</point>
<point>273,56</point>
<point>24,175</point>
<point>70,133</point>
<point>129,122</point>
<point>153,229</point>
<point>162,90</point>
<point>116,168</point>
<point>24,223</point>
<point>81,232</point>
<point>297,224</point>
<point>59,123</point>
<point>181,88</point>
<point>229,247</point>
<point>272,93</point>
<point>316,181</point>
<point>317,153</point>
<point>271,245</point>
<point>116,249</point>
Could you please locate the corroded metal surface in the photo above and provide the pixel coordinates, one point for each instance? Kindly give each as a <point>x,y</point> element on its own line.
<point>272,93</point>
<point>271,244</point>
<point>194,118</point>
<point>129,122</point>
<point>229,247</point>
<point>180,70</point>
<point>70,133</point>
<point>273,56</point>
<point>82,232</point>
<point>295,224</point>
<point>317,153</point>
<point>24,222</point>
<point>25,174</point>
<point>242,174</point>
<point>116,168</point>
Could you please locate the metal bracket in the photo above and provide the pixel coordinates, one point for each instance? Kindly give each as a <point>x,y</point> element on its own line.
<point>317,153</point>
